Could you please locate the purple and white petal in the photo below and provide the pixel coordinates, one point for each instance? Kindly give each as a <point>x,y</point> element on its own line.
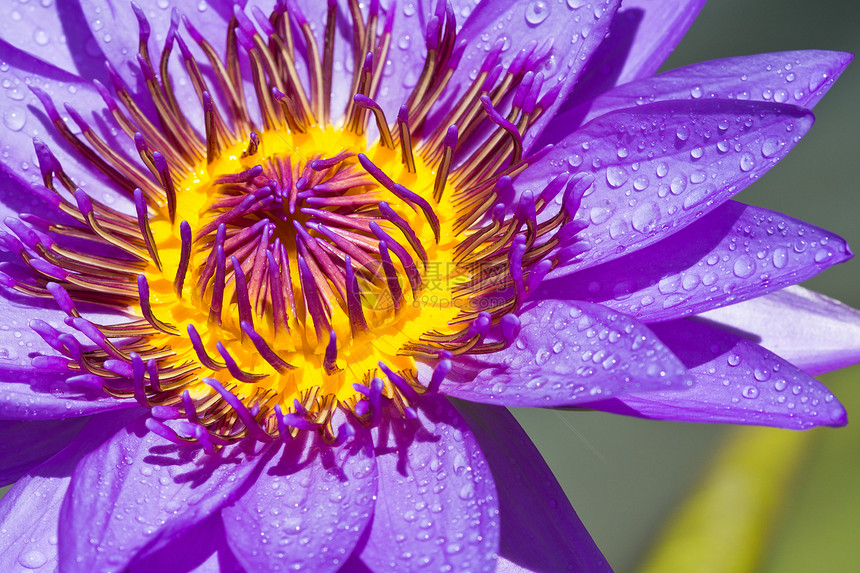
<point>308,507</point>
<point>26,394</point>
<point>815,333</point>
<point>641,37</point>
<point>732,254</point>
<point>574,29</point>
<point>659,167</point>
<point>568,353</point>
<point>25,118</point>
<point>737,382</point>
<point>540,531</point>
<point>30,510</point>
<point>199,549</point>
<point>437,507</point>
<point>56,32</point>
<point>798,78</point>
<point>138,491</point>
<point>25,445</point>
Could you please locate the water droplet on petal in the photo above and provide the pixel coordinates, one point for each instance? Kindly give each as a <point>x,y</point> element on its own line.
<point>537,12</point>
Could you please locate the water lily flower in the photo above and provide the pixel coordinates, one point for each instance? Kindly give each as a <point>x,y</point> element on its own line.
<point>272,272</point>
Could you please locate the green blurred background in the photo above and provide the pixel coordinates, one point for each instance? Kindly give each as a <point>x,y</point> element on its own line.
<point>627,477</point>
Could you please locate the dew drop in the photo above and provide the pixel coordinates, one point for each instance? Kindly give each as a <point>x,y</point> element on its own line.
<point>747,162</point>
<point>645,217</point>
<point>744,267</point>
<point>537,12</point>
<point>616,176</point>
<point>683,132</point>
<point>750,392</point>
<point>14,118</point>
<point>696,91</point>
<point>574,4</point>
<point>32,559</point>
<point>780,257</point>
<point>770,146</point>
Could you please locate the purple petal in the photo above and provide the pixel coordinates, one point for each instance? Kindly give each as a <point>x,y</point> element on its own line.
<point>115,30</point>
<point>437,506</point>
<point>308,507</point>
<point>733,253</point>
<point>36,395</point>
<point>737,382</point>
<point>799,78</point>
<point>167,488</point>
<point>25,118</point>
<point>540,531</point>
<point>25,445</point>
<point>568,353</point>
<point>56,32</point>
<point>30,510</point>
<point>815,333</point>
<point>575,32</point>
<point>661,166</point>
<point>201,549</point>
<point>641,37</point>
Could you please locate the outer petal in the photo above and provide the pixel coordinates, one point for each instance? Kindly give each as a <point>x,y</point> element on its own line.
<point>437,507</point>
<point>308,507</point>
<point>199,549</point>
<point>25,445</point>
<point>813,332</point>
<point>29,394</point>
<point>56,32</point>
<point>24,118</point>
<point>568,353</point>
<point>799,78</point>
<point>167,488</point>
<point>29,512</point>
<point>737,382</point>
<point>642,35</point>
<point>540,529</point>
<point>659,167</point>
<point>575,33</point>
<point>733,253</point>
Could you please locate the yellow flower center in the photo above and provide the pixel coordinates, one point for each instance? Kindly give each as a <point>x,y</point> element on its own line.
<point>298,335</point>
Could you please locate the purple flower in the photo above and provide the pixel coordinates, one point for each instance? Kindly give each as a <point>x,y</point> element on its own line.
<point>233,324</point>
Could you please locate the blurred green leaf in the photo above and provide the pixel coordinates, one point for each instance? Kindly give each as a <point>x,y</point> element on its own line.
<point>772,500</point>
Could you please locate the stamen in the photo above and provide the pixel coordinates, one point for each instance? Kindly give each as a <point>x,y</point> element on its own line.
<point>145,230</point>
<point>445,165</point>
<point>166,181</point>
<point>184,257</point>
<point>365,102</point>
<point>330,360</point>
<point>234,369</point>
<point>353,299</point>
<point>405,138</point>
<point>146,310</point>
<point>268,355</point>
<point>390,276</point>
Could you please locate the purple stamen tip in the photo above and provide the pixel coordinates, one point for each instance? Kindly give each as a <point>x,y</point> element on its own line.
<point>510,328</point>
<point>408,392</point>
<point>142,22</point>
<point>49,269</point>
<point>330,361</point>
<point>64,301</point>
<point>451,136</point>
<point>403,114</point>
<point>262,21</point>
<point>47,160</point>
<point>439,373</point>
<point>192,31</point>
<point>165,413</point>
